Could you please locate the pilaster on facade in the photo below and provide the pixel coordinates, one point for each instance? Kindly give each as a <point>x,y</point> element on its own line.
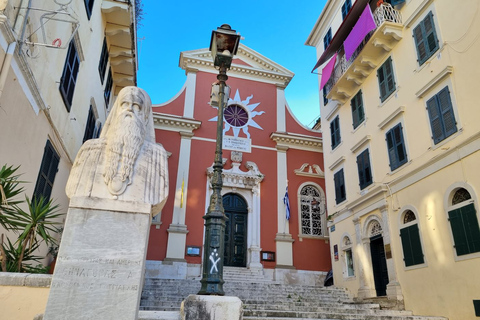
<point>177,236</point>
<point>284,246</point>
<point>297,141</point>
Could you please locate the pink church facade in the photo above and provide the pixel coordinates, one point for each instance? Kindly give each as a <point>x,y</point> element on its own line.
<point>264,149</point>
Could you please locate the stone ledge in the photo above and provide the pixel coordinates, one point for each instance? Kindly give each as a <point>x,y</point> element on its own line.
<point>25,279</point>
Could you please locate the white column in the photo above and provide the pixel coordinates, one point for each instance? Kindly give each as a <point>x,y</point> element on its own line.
<point>394,290</point>
<point>177,231</point>
<point>281,109</point>
<point>284,241</point>
<point>254,213</point>
<point>362,250</point>
<point>190,93</point>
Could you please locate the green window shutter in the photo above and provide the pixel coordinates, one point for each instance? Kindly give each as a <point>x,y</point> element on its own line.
<point>420,43</point>
<point>386,79</point>
<point>425,37</point>
<point>364,170</point>
<point>446,108</point>
<point>390,77</point>
<point>458,231</point>
<point>472,230</point>
<point>357,109</point>
<point>412,247</point>
<point>382,83</point>
<point>48,170</point>
<point>430,34</point>
<point>337,187</point>
<point>435,120</point>
<point>391,151</point>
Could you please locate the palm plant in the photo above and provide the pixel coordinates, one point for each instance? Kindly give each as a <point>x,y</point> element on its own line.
<point>35,225</point>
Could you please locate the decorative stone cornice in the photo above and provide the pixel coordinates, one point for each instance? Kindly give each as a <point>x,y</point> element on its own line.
<point>174,123</point>
<point>297,141</point>
<point>256,67</point>
<point>312,171</point>
<point>236,178</point>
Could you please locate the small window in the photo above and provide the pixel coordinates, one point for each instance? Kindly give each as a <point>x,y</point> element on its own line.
<point>335,132</point>
<point>396,147</point>
<point>349,270</point>
<point>108,88</point>
<point>325,99</point>
<point>347,5</point>
<point>102,64</point>
<point>69,75</point>
<point>442,118</point>
<point>464,224</point>
<point>89,7</point>
<point>426,40</point>
<point>339,180</point>
<point>364,169</point>
<point>386,79</point>
<point>48,170</point>
<point>358,113</point>
<point>90,125</point>
<point>327,39</point>
<point>312,210</point>
<point>410,236</point>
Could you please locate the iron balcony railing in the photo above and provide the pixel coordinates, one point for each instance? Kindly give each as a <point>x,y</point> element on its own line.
<point>384,13</point>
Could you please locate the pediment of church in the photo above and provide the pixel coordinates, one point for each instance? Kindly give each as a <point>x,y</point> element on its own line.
<point>247,64</point>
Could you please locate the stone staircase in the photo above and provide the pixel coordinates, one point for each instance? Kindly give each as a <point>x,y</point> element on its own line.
<point>264,299</point>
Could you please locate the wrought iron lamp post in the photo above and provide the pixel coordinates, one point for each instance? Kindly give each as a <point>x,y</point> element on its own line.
<point>223,45</point>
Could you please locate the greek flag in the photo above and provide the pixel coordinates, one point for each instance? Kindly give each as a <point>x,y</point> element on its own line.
<point>286,201</point>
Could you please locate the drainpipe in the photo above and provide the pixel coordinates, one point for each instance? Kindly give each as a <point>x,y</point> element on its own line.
<point>6,65</point>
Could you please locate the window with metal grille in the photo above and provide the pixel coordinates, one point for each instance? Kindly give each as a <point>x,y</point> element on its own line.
<point>358,114</point>
<point>335,132</point>
<point>396,147</point>
<point>48,170</point>
<point>442,117</point>
<point>339,181</point>
<point>327,39</point>
<point>102,64</point>
<point>108,88</point>
<point>426,40</point>
<point>386,79</point>
<point>69,75</point>
<point>312,209</point>
<point>89,7</point>
<point>464,224</point>
<point>411,244</point>
<point>347,5</point>
<point>364,169</point>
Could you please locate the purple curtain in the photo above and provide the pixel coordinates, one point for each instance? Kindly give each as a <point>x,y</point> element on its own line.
<point>364,25</point>
<point>327,71</point>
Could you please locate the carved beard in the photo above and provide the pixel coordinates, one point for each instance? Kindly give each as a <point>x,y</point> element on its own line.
<point>123,148</point>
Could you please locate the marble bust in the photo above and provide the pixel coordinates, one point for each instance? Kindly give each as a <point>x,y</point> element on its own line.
<point>125,163</point>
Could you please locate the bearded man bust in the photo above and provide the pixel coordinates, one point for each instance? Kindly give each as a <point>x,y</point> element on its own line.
<point>125,163</point>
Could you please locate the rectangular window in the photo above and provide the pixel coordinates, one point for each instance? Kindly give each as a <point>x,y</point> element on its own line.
<point>358,113</point>
<point>347,5</point>
<point>412,247</point>
<point>364,169</point>
<point>89,7</point>
<point>48,170</point>
<point>325,99</point>
<point>386,79</point>
<point>108,88</point>
<point>339,180</point>
<point>442,118</point>
<point>349,263</point>
<point>90,126</point>
<point>69,75</point>
<point>396,147</point>
<point>335,132</point>
<point>465,229</point>
<point>102,65</point>
<point>327,39</point>
<point>426,40</point>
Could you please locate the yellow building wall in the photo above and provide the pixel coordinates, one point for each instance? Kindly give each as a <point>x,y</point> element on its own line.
<point>22,303</point>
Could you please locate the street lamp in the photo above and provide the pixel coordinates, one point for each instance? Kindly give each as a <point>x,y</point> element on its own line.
<point>223,45</point>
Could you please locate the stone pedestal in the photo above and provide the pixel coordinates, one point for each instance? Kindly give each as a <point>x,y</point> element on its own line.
<point>197,307</point>
<point>100,266</point>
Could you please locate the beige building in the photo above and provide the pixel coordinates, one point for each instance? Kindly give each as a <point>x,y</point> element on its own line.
<point>62,64</point>
<point>401,150</point>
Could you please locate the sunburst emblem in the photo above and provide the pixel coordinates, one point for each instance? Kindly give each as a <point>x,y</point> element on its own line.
<point>239,114</point>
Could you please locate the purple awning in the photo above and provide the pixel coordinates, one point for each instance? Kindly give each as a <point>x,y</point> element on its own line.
<point>327,71</point>
<point>364,25</point>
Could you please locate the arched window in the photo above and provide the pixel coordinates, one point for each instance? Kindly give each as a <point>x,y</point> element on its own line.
<point>349,270</point>
<point>312,211</point>
<point>410,235</point>
<point>464,223</point>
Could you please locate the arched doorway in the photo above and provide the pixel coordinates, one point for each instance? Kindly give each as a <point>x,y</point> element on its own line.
<point>379,262</point>
<point>236,210</point>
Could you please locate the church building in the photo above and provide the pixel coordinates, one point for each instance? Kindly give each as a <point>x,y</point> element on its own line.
<point>266,152</point>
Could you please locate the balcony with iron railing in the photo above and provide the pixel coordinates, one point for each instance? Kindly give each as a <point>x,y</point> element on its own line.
<point>348,75</point>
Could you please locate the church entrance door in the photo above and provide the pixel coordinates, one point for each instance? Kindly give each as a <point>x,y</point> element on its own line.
<point>236,211</point>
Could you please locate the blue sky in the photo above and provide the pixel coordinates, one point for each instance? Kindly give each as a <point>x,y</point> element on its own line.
<point>275,29</point>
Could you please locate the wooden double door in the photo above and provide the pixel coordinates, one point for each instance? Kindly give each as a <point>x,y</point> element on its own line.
<point>236,210</point>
